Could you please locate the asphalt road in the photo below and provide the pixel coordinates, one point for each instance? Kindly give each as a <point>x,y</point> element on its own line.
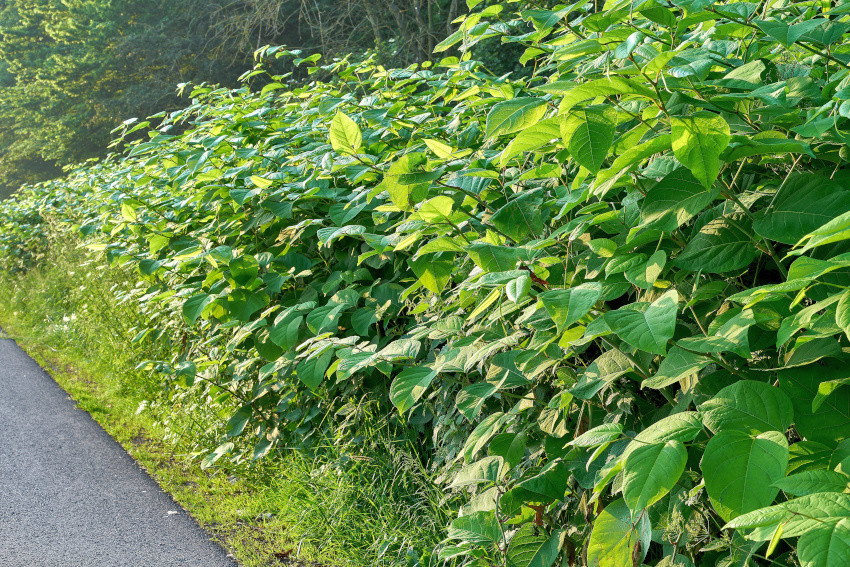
<point>70,496</point>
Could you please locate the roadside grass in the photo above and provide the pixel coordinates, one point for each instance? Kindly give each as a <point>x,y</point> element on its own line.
<point>365,503</point>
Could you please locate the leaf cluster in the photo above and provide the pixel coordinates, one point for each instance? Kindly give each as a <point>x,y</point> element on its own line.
<point>608,301</point>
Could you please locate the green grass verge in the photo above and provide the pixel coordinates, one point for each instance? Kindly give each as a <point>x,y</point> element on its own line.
<point>340,505</point>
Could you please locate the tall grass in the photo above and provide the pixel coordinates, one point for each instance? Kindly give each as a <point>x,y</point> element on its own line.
<point>356,498</point>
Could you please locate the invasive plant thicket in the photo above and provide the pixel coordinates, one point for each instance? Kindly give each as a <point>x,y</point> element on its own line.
<point>609,301</point>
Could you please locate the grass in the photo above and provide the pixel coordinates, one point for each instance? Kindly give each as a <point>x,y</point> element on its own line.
<point>368,503</point>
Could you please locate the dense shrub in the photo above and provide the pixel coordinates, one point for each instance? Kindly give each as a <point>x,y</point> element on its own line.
<point>609,301</point>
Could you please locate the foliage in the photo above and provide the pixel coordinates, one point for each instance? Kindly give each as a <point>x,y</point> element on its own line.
<point>386,509</point>
<point>72,71</point>
<point>609,300</point>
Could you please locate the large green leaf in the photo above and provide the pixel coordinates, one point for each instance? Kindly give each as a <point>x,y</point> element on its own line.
<point>806,202</point>
<point>683,426</point>
<point>599,435</point>
<point>826,546</point>
<point>591,137</point>
<point>514,115</point>
<point>748,406</point>
<point>566,306</point>
<point>698,141</point>
<point>531,138</point>
<point>433,270</point>
<point>649,472</point>
<point>674,200</point>
<point>312,370</point>
<point>831,420</point>
<point>842,313</point>
<point>835,230</point>
<point>606,368</point>
<point>244,269</point>
<point>195,305</point>
<point>739,470</point>
<point>491,258</point>
<point>529,550</point>
<point>345,134</point>
<point>615,537</point>
<point>811,482</point>
<point>798,516</point>
<point>519,219</point>
<point>610,85</point>
<point>407,181</point>
<point>648,328</point>
<point>410,385</point>
<point>678,364</point>
<point>477,527</point>
<point>722,245</point>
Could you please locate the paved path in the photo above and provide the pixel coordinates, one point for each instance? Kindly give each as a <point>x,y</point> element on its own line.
<point>70,496</point>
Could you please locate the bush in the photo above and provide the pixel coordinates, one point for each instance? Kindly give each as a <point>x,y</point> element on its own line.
<point>608,301</point>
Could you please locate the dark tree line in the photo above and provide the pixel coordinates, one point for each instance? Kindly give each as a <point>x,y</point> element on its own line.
<point>72,70</point>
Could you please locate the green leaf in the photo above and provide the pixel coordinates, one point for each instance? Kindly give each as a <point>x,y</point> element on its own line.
<point>243,304</point>
<point>285,332</point>
<point>678,364</point>
<point>531,138</point>
<point>529,550</point>
<point>312,371</point>
<point>651,471</point>
<point>482,433</point>
<point>629,160</point>
<point>648,328</point>
<point>549,485</point>
<point>811,482</point>
<point>491,258</point>
<point>683,426</point>
<point>831,420</point>
<point>800,515</point>
<point>842,313</point>
<point>244,269</point>
<point>345,134</point>
<point>509,446</point>
<point>407,182</point>
<point>519,219</point>
<point>236,424</point>
<point>722,245</point>
<point>615,537</point>
<point>740,470</point>
<point>410,385</point>
<point>514,115</point>
<point>645,275</point>
<point>836,230</point>
<point>323,319</point>
<point>479,528</point>
<point>591,138</point>
<point>436,209</point>
<point>826,546</point>
<point>748,406</point>
<point>518,288</point>
<point>433,270</point>
<point>566,306</point>
<point>195,305</point>
<point>785,33</point>
<point>676,199</point>
<point>610,85</point>
<point>599,435</point>
<point>606,368</point>
<point>471,398</point>
<point>825,389</point>
<point>698,141</point>
<point>806,202</point>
